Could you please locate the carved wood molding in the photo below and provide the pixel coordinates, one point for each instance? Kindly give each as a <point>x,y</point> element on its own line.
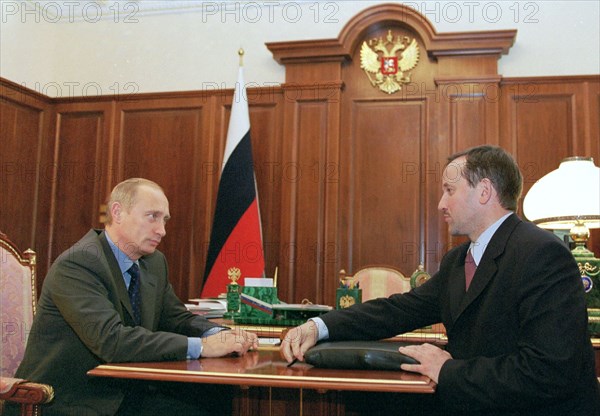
<point>496,42</point>
<point>468,80</point>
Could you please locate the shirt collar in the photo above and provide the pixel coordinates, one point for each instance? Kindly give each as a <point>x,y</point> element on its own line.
<point>124,261</point>
<point>478,247</point>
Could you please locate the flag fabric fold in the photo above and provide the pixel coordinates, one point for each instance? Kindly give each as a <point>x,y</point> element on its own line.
<point>236,237</point>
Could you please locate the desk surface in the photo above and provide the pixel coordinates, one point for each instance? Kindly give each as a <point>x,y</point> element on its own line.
<point>266,368</point>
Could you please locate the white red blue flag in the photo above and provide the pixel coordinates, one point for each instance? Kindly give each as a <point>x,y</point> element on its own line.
<point>236,236</point>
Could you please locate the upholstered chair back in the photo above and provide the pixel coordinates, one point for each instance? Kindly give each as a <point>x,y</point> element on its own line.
<point>379,281</point>
<point>17,303</point>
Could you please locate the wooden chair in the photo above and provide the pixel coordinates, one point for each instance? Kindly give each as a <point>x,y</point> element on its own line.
<point>383,281</point>
<point>17,307</point>
<point>378,281</point>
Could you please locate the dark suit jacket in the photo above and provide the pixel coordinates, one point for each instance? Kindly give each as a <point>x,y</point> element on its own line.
<point>518,337</point>
<point>84,318</point>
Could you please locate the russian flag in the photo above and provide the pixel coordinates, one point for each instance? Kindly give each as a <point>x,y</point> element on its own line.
<point>236,237</point>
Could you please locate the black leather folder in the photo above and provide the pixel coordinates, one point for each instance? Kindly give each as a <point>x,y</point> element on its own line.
<point>372,355</point>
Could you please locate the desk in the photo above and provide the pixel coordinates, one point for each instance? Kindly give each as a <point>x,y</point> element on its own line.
<point>286,385</point>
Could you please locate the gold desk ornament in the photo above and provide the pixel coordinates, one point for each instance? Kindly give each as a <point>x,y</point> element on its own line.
<point>348,293</point>
<point>390,65</point>
<point>233,293</point>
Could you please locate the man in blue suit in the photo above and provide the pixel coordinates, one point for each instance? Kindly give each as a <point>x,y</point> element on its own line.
<point>86,317</point>
<point>517,329</point>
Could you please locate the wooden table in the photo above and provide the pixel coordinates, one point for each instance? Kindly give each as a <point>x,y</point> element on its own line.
<point>266,369</point>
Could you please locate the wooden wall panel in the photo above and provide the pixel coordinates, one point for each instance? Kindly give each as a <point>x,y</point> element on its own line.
<point>265,132</point>
<point>26,129</point>
<point>592,122</point>
<point>550,120</point>
<point>470,120</point>
<point>79,174</point>
<point>302,249</point>
<point>544,123</point>
<point>21,128</point>
<point>383,204</point>
<point>164,141</point>
<point>470,116</point>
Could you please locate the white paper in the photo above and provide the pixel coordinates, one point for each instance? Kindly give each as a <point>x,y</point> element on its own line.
<point>258,282</point>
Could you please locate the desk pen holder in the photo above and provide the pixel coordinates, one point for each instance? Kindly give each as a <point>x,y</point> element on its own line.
<point>345,297</point>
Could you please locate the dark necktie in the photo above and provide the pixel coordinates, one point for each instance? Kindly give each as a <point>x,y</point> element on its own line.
<point>134,293</point>
<point>470,268</point>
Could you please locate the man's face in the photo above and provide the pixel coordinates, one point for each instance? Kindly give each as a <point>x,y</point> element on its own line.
<point>139,230</point>
<point>459,203</point>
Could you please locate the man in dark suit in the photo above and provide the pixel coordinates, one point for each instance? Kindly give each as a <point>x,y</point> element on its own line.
<point>85,317</point>
<point>517,332</point>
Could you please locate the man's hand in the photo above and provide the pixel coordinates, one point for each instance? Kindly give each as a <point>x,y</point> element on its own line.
<point>298,340</point>
<point>228,341</point>
<point>431,358</point>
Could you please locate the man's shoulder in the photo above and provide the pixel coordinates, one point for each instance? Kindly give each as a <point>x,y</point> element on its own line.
<point>530,231</point>
<point>88,249</point>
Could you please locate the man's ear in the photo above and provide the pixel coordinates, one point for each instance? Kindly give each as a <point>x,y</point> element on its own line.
<point>486,190</point>
<point>116,211</point>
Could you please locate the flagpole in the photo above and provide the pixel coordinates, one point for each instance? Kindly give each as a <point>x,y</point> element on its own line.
<point>236,220</point>
<point>241,55</point>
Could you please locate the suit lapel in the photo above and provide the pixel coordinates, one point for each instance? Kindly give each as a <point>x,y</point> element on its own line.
<point>116,277</point>
<point>483,275</point>
<point>457,283</point>
<point>486,270</point>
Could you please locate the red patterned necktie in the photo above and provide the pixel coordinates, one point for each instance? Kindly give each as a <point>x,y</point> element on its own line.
<point>134,293</point>
<point>470,268</point>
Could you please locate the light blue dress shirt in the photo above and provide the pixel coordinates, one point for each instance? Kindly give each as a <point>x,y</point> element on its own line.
<point>478,247</point>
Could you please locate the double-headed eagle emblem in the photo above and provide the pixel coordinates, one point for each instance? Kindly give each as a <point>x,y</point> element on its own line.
<point>390,66</point>
<point>234,275</point>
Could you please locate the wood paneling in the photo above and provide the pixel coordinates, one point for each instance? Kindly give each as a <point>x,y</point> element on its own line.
<point>382,213</point>
<point>26,128</point>
<point>544,122</point>
<point>303,243</point>
<point>78,173</point>
<point>21,128</point>
<point>347,175</point>
<point>165,141</point>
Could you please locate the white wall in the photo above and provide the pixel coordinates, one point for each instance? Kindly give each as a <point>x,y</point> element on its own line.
<point>74,48</point>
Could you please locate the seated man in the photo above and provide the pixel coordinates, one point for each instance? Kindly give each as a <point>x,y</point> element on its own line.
<point>87,317</point>
<point>511,300</point>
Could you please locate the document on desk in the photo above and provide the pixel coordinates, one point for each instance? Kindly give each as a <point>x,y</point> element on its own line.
<point>209,308</point>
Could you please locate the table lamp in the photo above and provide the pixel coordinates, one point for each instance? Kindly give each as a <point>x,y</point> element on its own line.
<point>568,198</point>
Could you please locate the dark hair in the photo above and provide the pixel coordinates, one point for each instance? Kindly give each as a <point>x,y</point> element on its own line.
<point>498,166</point>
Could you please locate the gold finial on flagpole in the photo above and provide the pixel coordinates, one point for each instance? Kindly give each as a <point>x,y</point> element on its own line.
<point>241,54</point>
<point>275,278</point>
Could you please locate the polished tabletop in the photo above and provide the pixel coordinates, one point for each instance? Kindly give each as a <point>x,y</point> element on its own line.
<point>265,367</point>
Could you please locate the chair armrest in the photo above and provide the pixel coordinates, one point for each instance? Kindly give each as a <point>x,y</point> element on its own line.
<point>25,392</point>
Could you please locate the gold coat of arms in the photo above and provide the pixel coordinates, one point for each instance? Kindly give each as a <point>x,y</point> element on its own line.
<point>387,63</point>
